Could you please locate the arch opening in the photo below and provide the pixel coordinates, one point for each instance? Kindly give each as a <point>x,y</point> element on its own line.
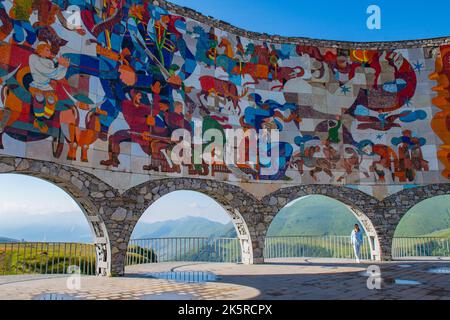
<point>204,229</point>
<point>424,230</point>
<point>319,226</point>
<point>58,178</point>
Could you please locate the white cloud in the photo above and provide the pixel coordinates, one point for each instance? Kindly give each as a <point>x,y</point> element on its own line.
<point>42,208</point>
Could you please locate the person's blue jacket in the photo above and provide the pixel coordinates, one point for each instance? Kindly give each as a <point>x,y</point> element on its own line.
<point>356,237</point>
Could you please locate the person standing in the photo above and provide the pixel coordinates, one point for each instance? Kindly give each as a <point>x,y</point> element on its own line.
<point>357,240</point>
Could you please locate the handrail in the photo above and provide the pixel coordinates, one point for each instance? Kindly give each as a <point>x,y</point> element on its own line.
<point>56,257</point>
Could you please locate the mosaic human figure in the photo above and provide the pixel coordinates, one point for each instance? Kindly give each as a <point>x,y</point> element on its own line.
<point>45,68</point>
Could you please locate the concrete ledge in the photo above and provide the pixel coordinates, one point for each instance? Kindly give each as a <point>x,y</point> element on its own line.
<point>219,24</point>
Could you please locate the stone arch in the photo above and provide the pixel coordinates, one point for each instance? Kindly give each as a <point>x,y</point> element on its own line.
<point>78,185</point>
<point>360,204</point>
<point>237,203</point>
<point>396,206</point>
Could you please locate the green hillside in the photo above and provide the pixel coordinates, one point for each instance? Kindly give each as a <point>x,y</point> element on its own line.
<point>319,215</point>
<point>440,234</point>
<point>429,216</point>
<point>32,258</point>
<point>313,216</point>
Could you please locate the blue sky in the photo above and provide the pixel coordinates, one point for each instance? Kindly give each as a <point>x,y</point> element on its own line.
<point>24,199</point>
<point>335,20</point>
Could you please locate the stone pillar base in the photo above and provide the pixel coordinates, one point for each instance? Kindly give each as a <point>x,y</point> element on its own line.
<point>258,261</point>
<point>386,258</point>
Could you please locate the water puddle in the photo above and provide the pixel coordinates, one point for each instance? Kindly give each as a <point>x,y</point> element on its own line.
<point>168,296</point>
<point>440,270</point>
<point>407,282</point>
<point>329,267</point>
<point>55,296</point>
<point>185,276</point>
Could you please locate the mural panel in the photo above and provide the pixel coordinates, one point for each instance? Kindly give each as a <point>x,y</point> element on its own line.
<point>441,120</point>
<point>109,92</point>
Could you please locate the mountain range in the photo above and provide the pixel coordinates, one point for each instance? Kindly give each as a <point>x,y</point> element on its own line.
<point>184,227</point>
<point>7,240</point>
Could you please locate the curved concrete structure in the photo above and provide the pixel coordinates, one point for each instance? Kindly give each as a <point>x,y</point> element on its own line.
<point>110,95</point>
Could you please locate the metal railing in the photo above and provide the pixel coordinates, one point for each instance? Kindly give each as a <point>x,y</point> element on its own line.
<point>56,257</point>
<point>154,250</point>
<point>46,258</point>
<point>313,247</point>
<point>410,247</point>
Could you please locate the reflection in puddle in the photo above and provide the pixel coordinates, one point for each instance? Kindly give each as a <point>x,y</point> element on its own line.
<point>55,296</point>
<point>440,270</point>
<point>404,266</point>
<point>168,296</point>
<point>407,282</point>
<point>185,276</point>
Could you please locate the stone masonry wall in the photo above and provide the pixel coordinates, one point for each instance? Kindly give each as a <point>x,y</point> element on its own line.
<point>113,216</point>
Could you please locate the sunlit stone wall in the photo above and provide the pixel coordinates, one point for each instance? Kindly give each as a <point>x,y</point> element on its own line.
<point>103,89</point>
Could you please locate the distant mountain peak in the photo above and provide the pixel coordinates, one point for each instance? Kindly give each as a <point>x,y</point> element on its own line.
<point>189,226</point>
<point>7,240</point>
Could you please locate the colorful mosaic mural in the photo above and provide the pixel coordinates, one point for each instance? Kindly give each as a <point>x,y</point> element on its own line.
<point>108,94</point>
<point>441,120</point>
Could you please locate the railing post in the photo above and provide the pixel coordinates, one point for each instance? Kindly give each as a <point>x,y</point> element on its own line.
<point>17,256</point>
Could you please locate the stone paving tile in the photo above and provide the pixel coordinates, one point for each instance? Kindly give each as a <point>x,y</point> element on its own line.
<point>301,280</point>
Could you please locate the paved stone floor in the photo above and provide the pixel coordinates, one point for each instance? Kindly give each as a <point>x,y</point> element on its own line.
<point>297,279</point>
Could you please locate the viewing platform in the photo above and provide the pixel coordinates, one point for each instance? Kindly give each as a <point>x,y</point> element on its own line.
<point>296,279</point>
